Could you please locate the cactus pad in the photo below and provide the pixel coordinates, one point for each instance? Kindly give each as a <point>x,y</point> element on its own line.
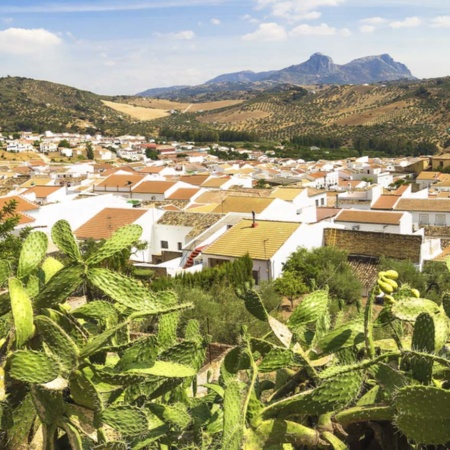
<point>49,404</point>
<point>312,307</point>
<point>58,341</point>
<point>233,419</point>
<point>60,286</point>
<point>124,237</point>
<point>33,367</point>
<point>423,341</point>
<point>33,251</point>
<point>163,369</point>
<point>346,335</point>
<point>424,414</point>
<point>277,358</point>
<point>127,420</point>
<point>409,308</point>
<point>22,311</point>
<point>63,238</point>
<point>50,267</point>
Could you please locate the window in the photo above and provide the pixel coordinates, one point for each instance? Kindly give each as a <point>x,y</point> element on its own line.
<point>164,244</point>
<point>179,245</point>
<point>423,219</point>
<point>440,220</point>
<point>322,201</point>
<point>317,202</point>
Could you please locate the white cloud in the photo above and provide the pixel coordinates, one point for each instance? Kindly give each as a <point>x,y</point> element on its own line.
<point>293,10</point>
<point>215,21</point>
<point>441,22</point>
<point>22,40</point>
<point>185,35</point>
<point>318,30</point>
<point>248,18</point>
<point>267,32</point>
<point>367,28</point>
<point>409,22</point>
<point>373,20</point>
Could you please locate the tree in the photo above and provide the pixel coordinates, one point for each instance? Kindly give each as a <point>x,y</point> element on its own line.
<point>89,151</point>
<point>64,143</point>
<point>291,285</point>
<point>326,266</point>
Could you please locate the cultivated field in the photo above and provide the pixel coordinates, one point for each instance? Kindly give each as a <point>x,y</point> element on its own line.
<point>137,112</point>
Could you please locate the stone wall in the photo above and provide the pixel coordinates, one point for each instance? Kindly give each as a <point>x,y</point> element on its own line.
<point>367,243</point>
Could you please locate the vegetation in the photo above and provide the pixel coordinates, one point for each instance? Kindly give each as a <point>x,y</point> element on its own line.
<point>325,266</point>
<point>73,377</point>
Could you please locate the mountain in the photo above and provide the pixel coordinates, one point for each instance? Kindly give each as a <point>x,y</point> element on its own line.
<point>318,69</point>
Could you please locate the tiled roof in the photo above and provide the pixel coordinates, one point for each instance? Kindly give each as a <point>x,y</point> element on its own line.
<point>121,180</point>
<point>287,194</point>
<point>151,169</point>
<point>154,187</point>
<point>243,204</point>
<point>36,181</point>
<point>183,194</point>
<point>107,221</point>
<point>386,202</point>
<point>260,242</point>
<point>427,176</point>
<point>325,213</point>
<point>195,207</point>
<point>423,204</point>
<point>215,182</point>
<point>360,216</point>
<point>22,204</point>
<point>199,222</point>
<point>196,180</point>
<point>43,191</point>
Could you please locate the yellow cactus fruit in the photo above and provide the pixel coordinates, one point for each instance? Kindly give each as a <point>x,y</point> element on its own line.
<point>388,299</point>
<point>415,293</point>
<point>392,274</point>
<point>390,281</point>
<point>385,287</point>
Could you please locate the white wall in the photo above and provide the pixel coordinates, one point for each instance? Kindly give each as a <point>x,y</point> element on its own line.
<point>279,210</point>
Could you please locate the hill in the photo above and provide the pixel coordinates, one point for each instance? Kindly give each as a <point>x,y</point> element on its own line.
<point>318,69</point>
<point>414,110</point>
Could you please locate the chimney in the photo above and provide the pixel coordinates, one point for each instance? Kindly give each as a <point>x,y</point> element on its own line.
<point>254,224</point>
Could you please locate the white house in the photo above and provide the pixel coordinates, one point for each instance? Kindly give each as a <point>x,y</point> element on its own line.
<point>268,243</point>
<point>375,221</point>
<point>426,211</point>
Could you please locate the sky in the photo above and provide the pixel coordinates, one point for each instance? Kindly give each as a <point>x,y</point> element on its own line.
<point>115,47</point>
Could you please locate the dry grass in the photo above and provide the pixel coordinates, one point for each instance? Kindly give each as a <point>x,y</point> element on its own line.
<point>24,156</point>
<point>137,112</point>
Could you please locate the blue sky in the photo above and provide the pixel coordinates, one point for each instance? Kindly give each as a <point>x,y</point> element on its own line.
<point>126,46</point>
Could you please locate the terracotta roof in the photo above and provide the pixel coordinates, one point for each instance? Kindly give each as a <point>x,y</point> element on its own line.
<point>25,219</point>
<point>401,190</point>
<point>243,204</point>
<point>287,194</point>
<point>386,202</point>
<point>121,181</point>
<point>183,194</point>
<point>170,207</point>
<point>43,191</point>
<point>153,187</point>
<point>199,222</point>
<point>260,242</point>
<point>423,204</point>
<point>428,176</point>
<point>103,224</point>
<point>22,204</point>
<point>444,255</point>
<point>361,216</point>
<point>325,213</point>
<point>151,169</point>
<point>215,182</point>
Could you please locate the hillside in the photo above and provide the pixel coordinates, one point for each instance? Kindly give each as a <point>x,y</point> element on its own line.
<point>27,104</point>
<point>413,109</point>
<point>416,110</point>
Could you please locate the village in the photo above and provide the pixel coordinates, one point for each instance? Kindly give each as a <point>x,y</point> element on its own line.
<point>198,211</point>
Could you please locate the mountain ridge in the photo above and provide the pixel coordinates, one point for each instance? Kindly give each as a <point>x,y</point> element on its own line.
<point>318,69</point>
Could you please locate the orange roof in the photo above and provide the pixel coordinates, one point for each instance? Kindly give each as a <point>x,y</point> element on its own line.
<point>196,180</point>
<point>151,169</point>
<point>43,191</point>
<point>22,204</point>
<point>386,202</point>
<point>121,180</point>
<point>215,182</point>
<point>183,194</point>
<point>25,219</point>
<point>361,216</point>
<point>153,187</point>
<point>243,204</point>
<point>107,221</point>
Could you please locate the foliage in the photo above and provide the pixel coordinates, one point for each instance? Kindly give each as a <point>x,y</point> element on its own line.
<point>325,266</point>
<point>291,285</point>
<point>64,143</point>
<point>73,378</point>
<point>89,151</point>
